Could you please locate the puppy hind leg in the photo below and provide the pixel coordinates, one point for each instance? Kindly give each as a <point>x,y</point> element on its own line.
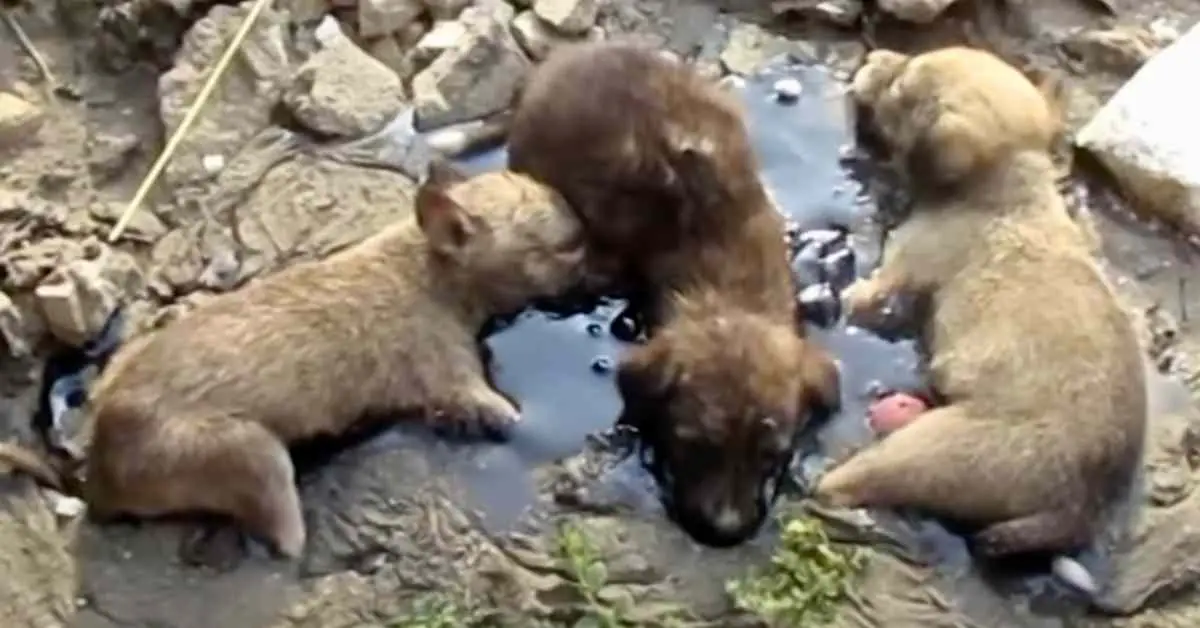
<point>1050,531</point>
<point>234,468</point>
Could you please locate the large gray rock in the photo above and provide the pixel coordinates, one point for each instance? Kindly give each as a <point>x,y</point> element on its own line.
<point>241,105</point>
<point>1146,135</point>
<point>343,91</point>
<point>474,78</point>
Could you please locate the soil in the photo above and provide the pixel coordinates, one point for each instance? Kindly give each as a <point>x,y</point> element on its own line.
<point>403,514</point>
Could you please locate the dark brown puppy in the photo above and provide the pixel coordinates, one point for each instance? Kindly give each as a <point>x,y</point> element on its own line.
<point>658,163</point>
<point>1038,364</point>
<point>197,416</point>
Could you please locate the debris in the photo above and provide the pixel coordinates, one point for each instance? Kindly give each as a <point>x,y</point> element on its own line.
<point>343,91</point>
<point>569,17</point>
<point>1145,136</point>
<point>537,37</point>
<point>19,119</point>
<point>476,77</point>
<point>917,11</point>
<point>384,17</point>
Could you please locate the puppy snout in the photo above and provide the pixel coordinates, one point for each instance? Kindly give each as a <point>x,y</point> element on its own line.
<point>723,523</point>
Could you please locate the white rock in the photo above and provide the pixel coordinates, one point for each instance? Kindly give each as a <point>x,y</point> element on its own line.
<point>1148,135</point>
<point>1075,574</point>
<point>66,506</point>
<point>19,119</point>
<point>570,17</point>
<point>788,89</point>
<point>384,17</point>
<point>918,11</point>
<point>75,301</point>
<point>213,163</point>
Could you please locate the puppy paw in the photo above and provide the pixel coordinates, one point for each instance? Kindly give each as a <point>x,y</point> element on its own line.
<point>863,299</point>
<point>480,412</point>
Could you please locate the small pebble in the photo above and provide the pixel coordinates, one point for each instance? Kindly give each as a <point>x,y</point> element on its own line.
<point>822,238</point>
<point>602,365</point>
<point>838,268</point>
<point>624,328</point>
<point>807,266</point>
<point>820,304</point>
<point>1072,572</point>
<point>66,506</point>
<point>788,89</point>
<point>213,163</point>
<point>595,330</point>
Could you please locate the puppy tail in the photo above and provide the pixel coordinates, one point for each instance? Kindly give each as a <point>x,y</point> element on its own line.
<point>42,469</point>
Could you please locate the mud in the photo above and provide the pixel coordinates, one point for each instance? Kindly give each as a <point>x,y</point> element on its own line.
<point>403,515</point>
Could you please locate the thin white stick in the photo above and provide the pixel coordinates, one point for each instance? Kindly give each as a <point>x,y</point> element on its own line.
<point>188,119</point>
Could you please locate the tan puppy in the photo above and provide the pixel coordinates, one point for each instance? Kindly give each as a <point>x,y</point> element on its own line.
<point>198,416</point>
<point>1045,396</point>
<point>658,163</point>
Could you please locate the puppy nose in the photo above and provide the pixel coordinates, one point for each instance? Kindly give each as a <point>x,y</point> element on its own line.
<point>728,521</point>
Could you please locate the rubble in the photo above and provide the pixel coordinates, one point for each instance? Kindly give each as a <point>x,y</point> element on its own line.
<point>241,107</point>
<point>384,17</point>
<point>444,35</point>
<point>20,119</point>
<point>538,38</point>
<point>343,91</point>
<point>76,299</point>
<point>1145,135</point>
<point>917,11</point>
<point>569,17</point>
<point>476,77</point>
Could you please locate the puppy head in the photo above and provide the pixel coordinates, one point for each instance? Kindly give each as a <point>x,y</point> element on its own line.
<point>509,238</point>
<point>948,114</point>
<point>719,398</point>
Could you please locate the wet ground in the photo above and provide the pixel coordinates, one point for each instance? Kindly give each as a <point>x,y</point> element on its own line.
<point>405,514</point>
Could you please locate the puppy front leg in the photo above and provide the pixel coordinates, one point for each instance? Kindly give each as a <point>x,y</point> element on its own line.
<point>472,409</point>
<point>864,300</point>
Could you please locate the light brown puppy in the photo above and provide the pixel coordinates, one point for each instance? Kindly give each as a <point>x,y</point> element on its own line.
<point>658,163</point>
<point>1038,364</point>
<point>198,416</point>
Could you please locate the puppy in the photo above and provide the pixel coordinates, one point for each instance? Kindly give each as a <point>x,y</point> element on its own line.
<point>1035,360</point>
<point>658,163</point>
<point>198,416</point>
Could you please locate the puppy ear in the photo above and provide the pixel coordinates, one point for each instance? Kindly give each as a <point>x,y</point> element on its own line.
<point>697,181</point>
<point>948,151</point>
<point>821,380</point>
<point>446,224</point>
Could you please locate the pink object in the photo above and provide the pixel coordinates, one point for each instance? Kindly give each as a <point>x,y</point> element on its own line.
<point>894,411</point>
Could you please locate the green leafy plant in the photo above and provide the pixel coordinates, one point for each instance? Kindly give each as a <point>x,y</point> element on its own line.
<point>438,611</point>
<point>807,578</point>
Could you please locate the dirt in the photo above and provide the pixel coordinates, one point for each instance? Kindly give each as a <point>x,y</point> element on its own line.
<point>404,515</point>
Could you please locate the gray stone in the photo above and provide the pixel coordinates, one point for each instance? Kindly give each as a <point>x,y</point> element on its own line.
<point>538,38</point>
<point>343,91</point>
<point>749,47</point>
<point>917,11</point>
<point>144,226</point>
<point>570,17</point>
<point>476,77</point>
<point>384,17</point>
<point>15,328</point>
<point>444,35</point>
<point>75,301</point>
<point>446,9</point>
<point>1146,136</point>
<point>20,119</point>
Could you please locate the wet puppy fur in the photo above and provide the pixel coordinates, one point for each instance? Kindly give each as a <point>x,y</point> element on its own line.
<point>658,163</point>
<point>197,417</point>
<point>1029,349</point>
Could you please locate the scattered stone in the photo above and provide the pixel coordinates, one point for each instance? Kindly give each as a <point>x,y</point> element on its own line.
<point>213,163</point>
<point>446,9</point>
<point>75,302</point>
<point>14,328</point>
<point>384,17</point>
<point>788,89</point>
<point>1120,50</point>
<point>19,119</point>
<point>538,38</point>
<point>750,47</point>
<point>144,226</point>
<point>1145,135</point>
<point>344,91</point>
<point>443,36</point>
<point>66,506</point>
<point>249,92</point>
<point>476,77</point>
<point>917,11</point>
<point>838,12</point>
<point>109,153</point>
<point>569,17</point>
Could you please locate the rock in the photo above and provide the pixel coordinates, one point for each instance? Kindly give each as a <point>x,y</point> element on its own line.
<point>344,91</point>
<point>384,17</point>
<point>446,9</point>
<point>75,301</point>
<point>918,11</point>
<point>749,47</point>
<point>1145,135</point>
<point>1120,50</point>
<point>537,38</point>
<point>19,119</point>
<point>15,328</point>
<point>242,105</point>
<point>305,11</point>
<point>839,12</point>
<point>569,17</point>
<point>144,226</point>
<point>443,36</point>
<point>109,153</point>
<point>476,77</point>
